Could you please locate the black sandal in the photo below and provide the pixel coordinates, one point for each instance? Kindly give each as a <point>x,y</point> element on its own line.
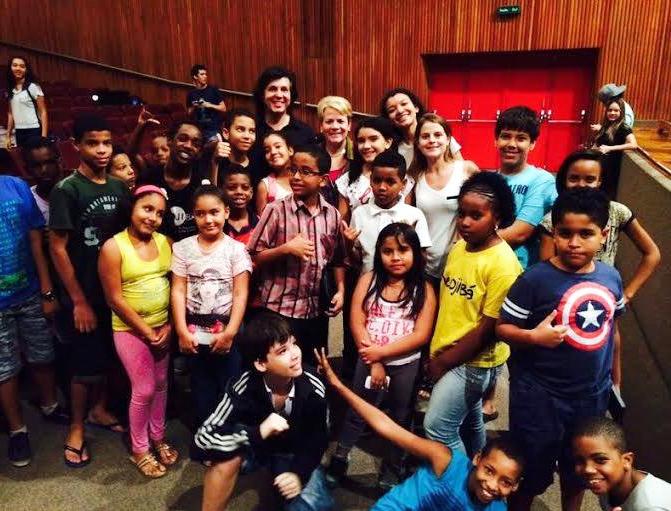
<point>79,452</point>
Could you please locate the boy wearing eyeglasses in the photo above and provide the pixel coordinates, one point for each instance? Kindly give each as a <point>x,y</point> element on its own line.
<point>296,240</point>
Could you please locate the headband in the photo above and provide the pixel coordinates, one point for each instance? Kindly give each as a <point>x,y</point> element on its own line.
<point>151,189</point>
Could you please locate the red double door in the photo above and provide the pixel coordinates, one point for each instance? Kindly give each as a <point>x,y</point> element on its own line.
<point>470,90</point>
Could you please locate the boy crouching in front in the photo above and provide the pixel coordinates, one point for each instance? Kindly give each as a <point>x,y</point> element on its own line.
<point>275,416</point>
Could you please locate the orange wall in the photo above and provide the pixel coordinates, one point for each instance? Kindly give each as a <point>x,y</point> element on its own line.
<point>348,47</point>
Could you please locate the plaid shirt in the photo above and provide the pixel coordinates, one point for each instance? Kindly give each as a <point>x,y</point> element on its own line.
<point>289,285</point>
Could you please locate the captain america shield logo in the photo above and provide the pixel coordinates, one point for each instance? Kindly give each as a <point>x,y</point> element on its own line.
<point>586,310</point>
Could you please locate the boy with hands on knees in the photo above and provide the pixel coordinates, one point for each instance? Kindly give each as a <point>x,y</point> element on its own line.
<point>560,317</point>
<point>275,416</point>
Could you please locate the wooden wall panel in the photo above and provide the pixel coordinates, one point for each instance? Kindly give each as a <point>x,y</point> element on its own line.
<point>348,47</point>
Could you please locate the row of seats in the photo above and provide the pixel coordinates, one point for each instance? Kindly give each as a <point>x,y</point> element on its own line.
<point>65,102</point>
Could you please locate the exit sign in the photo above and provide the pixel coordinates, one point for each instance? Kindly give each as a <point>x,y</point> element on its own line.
<point>508,11</point>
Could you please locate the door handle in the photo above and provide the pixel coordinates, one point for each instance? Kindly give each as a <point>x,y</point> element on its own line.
<point>498,113</point>
<point>542,115</point>
<point>463,114</point>
<point>549,115</point>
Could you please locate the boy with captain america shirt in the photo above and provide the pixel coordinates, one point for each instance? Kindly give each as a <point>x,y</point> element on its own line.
<point>560,315</point>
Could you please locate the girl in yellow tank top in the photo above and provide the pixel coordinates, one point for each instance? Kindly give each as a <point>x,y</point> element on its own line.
<point>133,268</point>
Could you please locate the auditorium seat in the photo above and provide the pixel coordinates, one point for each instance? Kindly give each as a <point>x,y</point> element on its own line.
<point>69,154</point>
<point>60,114</point>
<point>59,101</point>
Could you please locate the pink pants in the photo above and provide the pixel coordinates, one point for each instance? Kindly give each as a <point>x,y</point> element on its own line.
<point>148,374</point>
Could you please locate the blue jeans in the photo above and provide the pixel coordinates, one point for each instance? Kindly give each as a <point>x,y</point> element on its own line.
<point>314,496</point>
<point>456,404</point>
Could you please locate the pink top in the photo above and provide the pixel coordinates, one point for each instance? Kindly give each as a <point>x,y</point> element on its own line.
<point>387,322</point>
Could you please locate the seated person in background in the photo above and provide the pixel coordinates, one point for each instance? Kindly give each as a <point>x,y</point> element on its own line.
<point>205,104</point>
<point>121,167</point>
<point>448,480</point>
<point>275,415</point>
<point>607,468</point>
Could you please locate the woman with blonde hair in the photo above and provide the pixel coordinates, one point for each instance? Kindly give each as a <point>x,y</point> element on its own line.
<point>335,125</point>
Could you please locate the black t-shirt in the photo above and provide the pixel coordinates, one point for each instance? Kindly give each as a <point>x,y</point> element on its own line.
<point>91,214</point>
<point>619,138</point>
<point>209,118</point>
<point>178,222</point>
<point>611,162</point>
<point>296,131</point>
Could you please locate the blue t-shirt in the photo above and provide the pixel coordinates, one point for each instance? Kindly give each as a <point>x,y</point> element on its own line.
<point>587,304</point>
<point>535,192</point>
<point>19,214</point>
<point>424,491</point>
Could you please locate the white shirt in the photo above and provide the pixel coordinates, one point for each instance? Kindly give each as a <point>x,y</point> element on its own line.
<point>371,219</point>
<point>359,192</point>
<point>408,150</point>
<point>650,494</point>
<point>42,204</point>
<point>288,402</point>
<point>23,109</point>
<point>440,209</point>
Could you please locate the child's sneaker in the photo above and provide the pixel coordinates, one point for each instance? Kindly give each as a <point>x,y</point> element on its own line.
<point>18,449</point>
<point>389,477</point>
<point>336,470</point>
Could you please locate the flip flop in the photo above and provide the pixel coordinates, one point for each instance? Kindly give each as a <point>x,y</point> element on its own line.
<point>488,417</point>
<point>79,452</point>
<point>108,427</point>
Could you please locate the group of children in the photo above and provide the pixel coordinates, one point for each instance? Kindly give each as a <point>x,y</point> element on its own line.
<point>243,260</point>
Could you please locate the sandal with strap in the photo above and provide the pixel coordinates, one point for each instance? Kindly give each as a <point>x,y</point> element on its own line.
<point>149,466</point>
<point>80,453</point>
<point>166,453</point>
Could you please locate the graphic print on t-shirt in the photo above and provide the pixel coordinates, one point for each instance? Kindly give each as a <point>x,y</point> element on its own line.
<point>587,310</point>
<point>206,292</point>
<point>97,216</point>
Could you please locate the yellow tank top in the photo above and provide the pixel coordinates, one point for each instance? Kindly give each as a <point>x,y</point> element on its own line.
<point>144,284</point>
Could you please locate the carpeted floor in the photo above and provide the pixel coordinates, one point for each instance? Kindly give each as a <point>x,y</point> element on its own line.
<point>111,483</point>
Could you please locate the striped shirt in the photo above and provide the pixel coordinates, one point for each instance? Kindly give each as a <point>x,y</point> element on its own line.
<point>289,285</point>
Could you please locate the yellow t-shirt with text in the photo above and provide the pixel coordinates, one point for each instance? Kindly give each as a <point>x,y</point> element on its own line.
<point>474,284</point>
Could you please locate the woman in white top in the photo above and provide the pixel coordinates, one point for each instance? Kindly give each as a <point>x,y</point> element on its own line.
<point>372,136</point>
<point>403,109</point>
<point>27,113</point>
<point>439,177</point>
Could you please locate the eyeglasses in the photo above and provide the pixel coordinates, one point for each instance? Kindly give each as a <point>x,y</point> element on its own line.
<point>304,172</point>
